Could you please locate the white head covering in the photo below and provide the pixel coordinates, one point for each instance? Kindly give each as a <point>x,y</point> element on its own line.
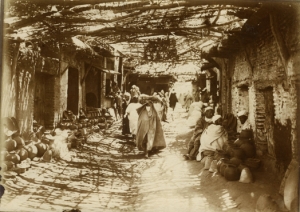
<point>242,113</point>
<point>215,118</point>
<point>127,94</point>
<point>208,108</point>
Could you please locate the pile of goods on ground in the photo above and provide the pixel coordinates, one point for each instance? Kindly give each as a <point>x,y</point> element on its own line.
<point>237,161</point>
<point>90,124</point>
<point>46,145</point>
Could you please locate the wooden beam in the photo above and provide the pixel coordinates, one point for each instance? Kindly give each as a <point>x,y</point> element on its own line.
<point>30,20</point>
<point>99,20</point>
<point>68,2</point>
<point>123,30</point>
<point>191,3</point>
<point>282,48</point>
<point>86,73</point>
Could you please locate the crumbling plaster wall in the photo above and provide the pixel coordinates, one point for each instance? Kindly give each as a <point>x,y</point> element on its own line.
<point>268,71</point>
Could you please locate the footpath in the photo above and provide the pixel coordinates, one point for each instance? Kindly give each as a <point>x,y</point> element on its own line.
<point>112,175</point>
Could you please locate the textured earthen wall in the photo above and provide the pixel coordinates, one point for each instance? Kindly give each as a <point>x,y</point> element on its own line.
<point>269,72</point>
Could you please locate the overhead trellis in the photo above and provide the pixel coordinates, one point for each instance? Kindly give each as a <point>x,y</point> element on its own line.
<point>160,49</point>
<point>126,25</point>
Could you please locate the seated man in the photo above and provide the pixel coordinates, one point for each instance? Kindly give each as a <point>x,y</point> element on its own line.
<point>201,125</point>
<point>213,138</point>
<point>244,127</point>
<point>243,118</point>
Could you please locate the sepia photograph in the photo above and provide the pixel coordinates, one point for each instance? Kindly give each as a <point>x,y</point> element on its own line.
<point>150,105</point>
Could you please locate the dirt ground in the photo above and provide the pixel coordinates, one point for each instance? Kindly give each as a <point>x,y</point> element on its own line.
<point>112,175</point>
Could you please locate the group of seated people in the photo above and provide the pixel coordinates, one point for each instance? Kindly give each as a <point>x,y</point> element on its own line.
<point>211,132</point>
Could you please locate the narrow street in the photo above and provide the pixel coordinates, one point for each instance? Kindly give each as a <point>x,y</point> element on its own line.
<point>112,175</point>
<point>71,68</point>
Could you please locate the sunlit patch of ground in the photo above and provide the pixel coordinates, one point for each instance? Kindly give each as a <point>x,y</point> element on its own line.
<point>112,175</point>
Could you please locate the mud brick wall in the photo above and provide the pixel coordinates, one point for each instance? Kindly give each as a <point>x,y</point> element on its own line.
<point>269,72</point>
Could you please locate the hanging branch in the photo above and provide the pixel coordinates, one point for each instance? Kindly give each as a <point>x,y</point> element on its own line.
<point>217,17</point>
<point>107,30</point>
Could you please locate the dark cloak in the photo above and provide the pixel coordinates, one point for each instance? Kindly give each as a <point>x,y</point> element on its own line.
<point>230,125</point>
<point>125,121</point>
<point>149,130</point>
<point>173,100</point>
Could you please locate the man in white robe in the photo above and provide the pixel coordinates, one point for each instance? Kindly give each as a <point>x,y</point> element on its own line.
<point>213,137</point>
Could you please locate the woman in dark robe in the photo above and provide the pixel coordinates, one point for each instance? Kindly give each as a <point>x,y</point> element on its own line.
<point>125,122</point>
<point>150,135</point>
<point>173,99</point>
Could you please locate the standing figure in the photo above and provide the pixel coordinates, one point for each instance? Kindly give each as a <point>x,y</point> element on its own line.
<point>118,105</point>
<point>188,101</point>
<point>133,116</point>
<point>135,91</point>
<point>194,113</point>
<point>181,99</point>
<point>173,99</point>
<point>125,123</point>
<point>165,106</point>
<point>158,105</point>
<point>201,125</point>
<point>150,135</point>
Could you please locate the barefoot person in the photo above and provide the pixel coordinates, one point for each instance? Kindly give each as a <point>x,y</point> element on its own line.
<point>150,135</point>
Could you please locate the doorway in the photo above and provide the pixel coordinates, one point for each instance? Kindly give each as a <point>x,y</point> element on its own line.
<point>39,98</point>
<point>73,90</point>
<point>93,88</point>
<point>269,119</point>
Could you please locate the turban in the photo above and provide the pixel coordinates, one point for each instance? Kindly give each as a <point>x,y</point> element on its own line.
<point>215,118</point>
<point>208,108</point>
<point>127,94</point>
<point>242,113</point>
